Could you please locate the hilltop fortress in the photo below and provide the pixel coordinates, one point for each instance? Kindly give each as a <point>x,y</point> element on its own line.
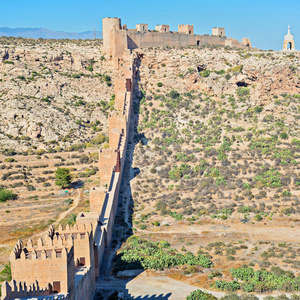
<point>118,38</point>
<point>65,263</point>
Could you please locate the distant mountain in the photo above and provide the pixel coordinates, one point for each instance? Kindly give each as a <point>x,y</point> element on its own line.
<point>47,34</point>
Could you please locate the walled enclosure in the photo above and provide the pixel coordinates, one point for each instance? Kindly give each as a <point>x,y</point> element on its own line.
<point>117,39</point>
<point>66,262</point>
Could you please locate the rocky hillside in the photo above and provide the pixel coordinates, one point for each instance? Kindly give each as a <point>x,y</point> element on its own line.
<point>218,151</point>
<point>220,123</point>
<point>54,93</point>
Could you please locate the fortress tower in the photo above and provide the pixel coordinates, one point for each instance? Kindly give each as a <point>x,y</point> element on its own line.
<point>107,25</point>
<point>288,43</point>
<point>218,31</point>
<point>186,29</point>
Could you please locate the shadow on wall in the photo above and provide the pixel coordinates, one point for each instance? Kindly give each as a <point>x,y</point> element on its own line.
<point>131,44</point>
<point>129,173</point>
<point>123,221</point>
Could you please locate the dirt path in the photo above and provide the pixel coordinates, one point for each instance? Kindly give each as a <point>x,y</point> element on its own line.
<point>65,213</point>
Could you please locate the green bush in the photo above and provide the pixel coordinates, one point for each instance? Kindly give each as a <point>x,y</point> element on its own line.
<point>9,159</point>
<point>159,84</point>
<point>178,172</point>
<point>260,281</point>
<point>21,77</point>
<point>90,68</point>
<point>139,253</point>
<point>258,109</point>
<point>174,94</point>
<point>205,73</point>
<point>286,194</point>
<point>284,135</point>
<point>243,92</point>
<point>7,195</point>
<point>30,187</point>
<point>100,139</point>
<point>200,295</point>
<point>269,178</point>
<point>258,217</point>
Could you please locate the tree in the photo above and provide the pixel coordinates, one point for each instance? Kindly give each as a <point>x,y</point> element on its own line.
<point>63,177</point>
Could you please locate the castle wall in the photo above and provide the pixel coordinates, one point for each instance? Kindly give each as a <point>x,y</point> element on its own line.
<point>121,39</point>
<point>97,196</point>
<point>73,256</point>
<point>118,44</point>
<point>159,39</point>
<point>84,283</point>
<point>117,126</point>
<point>108,159</point>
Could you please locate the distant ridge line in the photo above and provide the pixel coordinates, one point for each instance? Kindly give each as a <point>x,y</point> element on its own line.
<point>44,33</point>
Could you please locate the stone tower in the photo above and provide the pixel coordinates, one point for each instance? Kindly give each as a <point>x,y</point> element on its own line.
<point>288,43</point>
<point>107,25</point>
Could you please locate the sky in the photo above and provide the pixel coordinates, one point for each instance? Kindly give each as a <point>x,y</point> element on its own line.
<point>265,22</point>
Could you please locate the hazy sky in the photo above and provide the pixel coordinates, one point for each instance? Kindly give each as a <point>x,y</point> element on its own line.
<point>264,21</point>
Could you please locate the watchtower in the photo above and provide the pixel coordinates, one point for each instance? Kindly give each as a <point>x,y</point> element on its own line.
<point>218,31</point>
<point>108,24</point>
<point>186,29</point>
<point>162,28</point>
<point>141,27</point>
<point>288,43</point>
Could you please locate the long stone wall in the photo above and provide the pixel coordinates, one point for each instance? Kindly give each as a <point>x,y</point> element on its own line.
<point>69,260</point>
<point>117,38</point>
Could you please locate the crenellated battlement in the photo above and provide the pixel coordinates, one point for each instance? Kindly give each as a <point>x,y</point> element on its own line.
<point>117,114</point>
<point>76,229</point>
<point>108,151</point>
<point>58,247</point>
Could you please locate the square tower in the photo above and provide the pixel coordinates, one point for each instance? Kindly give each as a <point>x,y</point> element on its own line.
<point>162,28</point>
<point>141,27</point>
<point>218,31</point>
<point>186,29</point>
